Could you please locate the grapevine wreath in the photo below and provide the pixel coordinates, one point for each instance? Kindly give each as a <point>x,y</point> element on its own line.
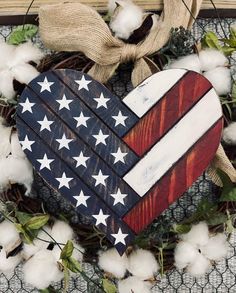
<point>141,49</point>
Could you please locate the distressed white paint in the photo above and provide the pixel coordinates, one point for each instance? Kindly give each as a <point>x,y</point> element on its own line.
<point>175,144</point>
<point>144,96</point>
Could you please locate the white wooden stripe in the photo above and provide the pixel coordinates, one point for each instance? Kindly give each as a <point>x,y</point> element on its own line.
<point>144,96</point>
<point>175,144</point>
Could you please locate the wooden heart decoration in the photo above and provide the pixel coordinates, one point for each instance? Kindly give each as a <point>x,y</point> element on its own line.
<point>120,162</point>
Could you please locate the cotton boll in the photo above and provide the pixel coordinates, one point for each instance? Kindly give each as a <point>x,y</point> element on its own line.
<point>229,134</point>
<point>62,232</point>
<point>185,253</point>
<point>199,267</point>
<point>134,285</point>
<point>25,53</point>
<point>6,84</point>
<point>211,58</point>
<point>142,264</point>
<point>16,149</point>
<point>110,261</point>
<point>216,248</point>
<point>5,133</point>
<point>7,265</point>
<point>42,269</point>
<point>128,18</point>
<point>8,234</point>
<point>220,78</point>
<point>198,235</point>
<point>24,73</point>
<point>190,62</point>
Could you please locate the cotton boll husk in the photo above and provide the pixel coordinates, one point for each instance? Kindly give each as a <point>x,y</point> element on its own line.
<point>216,248</point>
<point>7,265</point>
<point>110,261</point>
<point>198,235</point>
<point>5,134</point>
<point>127,19</point>
<point>134,285</point>
<point>24,73</point>
<point>6,54</point>
<point>190,62</point>
<point>185,253</point>
<point>210,59</point>
<point>17,170</point>
<point>142,264</point>
<point>199,267</point>
<point>62,232</point>
<point>220,78</point>
<point>16,149</point>
<point>42,269</point>
<point>25,53</point>
<point>8,234</point>
<point>229,134</point>
<point>6,84</point>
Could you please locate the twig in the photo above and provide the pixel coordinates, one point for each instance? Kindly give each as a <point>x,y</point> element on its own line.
<point>26,14</point>
<point>218,16</point>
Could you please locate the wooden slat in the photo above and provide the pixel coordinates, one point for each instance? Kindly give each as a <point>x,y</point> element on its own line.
<point>19,7</point>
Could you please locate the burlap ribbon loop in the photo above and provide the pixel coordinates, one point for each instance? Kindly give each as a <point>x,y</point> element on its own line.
<point>78,27</point>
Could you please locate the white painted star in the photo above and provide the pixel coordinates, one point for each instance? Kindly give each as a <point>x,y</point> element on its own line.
<point>83,83</point>
<point>120,119</point>
<point>100,178</point>
<point>119,197</point>
<point>101,218</point>
<point>81,199</point>
<point>45,162</point>
<point>64,181</point>
<point>64,103</point>
<point>45,85</point>
<point>119,156</point>
<point>27,106</point>
<point>64,142</point>
<point>119,237</point>
<point>81,160</point>
<point>102,101</point>
<point>45,124</point>
<point>26,143</point>
<point>100,137</point>
<point>81,120</point>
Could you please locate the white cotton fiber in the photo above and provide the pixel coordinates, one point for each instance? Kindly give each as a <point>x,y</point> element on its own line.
<point>8,234</point>
<point>5,134</point>
<point>42,269</point>
<point>190,62</point>
<point>211,58</point>
<point>6,54</point>
<point>142,264</point>
<point>6,84</point>
<point>229,134</point>
<point>185,254</point>
<point>216,248</point>
<point>126,19</point>
<point>7,265</point>
<point>220,78</point>
<point>62,232</point>
<point>198,235</point>
<point>133,285</point>
<point>16,149</point>
<point>24,73</point>
<point>199,267</point>
<point>110,261</point>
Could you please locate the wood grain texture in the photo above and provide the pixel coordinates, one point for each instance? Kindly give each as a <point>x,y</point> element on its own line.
<point>17,7</point>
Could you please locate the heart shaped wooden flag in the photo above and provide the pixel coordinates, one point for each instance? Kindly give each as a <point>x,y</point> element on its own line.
<point>120,162</point>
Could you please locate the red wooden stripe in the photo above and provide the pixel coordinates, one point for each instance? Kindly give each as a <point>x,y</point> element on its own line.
<point>164,115</point>
<point>176,181</point>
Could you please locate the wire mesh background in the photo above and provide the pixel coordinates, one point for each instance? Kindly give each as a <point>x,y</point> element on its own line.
<point>222,277</point>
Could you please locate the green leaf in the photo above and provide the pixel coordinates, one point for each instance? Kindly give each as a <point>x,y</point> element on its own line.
<point>23,218</point>
<point>211,40</point>
<point>21,34</point>
<point>50,289</point>
<point>228,50</point>
<point>67,250</point>
<point>230,42</point>
<point>108,286</point>
<point>27,237</point>
<point>217,219</point>
<point>229,189</point>
<point>181,228</point>
<point>72,264</point>
<point>37,222</point>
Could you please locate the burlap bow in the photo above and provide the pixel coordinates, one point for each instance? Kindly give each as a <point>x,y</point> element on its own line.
<point>77,27</point>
